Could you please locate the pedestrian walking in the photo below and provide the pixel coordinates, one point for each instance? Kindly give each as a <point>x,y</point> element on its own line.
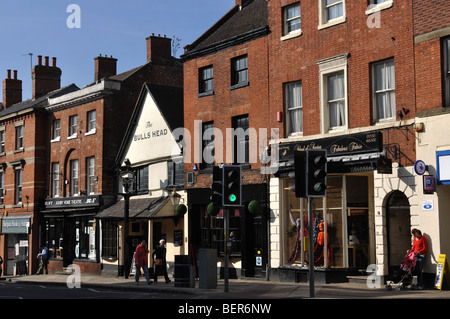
<point>419,249</point>
<point>141,261</point>
<point>159,260</point>
<point>43,260</point>
<point>1,266</point>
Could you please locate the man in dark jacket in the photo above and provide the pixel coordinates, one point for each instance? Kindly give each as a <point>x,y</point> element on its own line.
<point>160,262</point>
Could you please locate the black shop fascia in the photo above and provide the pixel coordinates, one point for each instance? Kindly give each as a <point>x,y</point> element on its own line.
<point>352,153</point>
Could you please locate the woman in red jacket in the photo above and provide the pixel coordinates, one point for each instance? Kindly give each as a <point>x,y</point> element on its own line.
<point>141,260</point>
<point>420,249</point>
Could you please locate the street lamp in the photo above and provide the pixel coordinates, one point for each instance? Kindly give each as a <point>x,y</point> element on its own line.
<point>175,198</point>
<point>127,177</point>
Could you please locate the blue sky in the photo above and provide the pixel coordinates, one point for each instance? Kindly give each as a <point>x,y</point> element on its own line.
<point>111,27</point>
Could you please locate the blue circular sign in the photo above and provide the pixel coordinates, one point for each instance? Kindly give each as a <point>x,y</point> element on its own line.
<point>420,168</point>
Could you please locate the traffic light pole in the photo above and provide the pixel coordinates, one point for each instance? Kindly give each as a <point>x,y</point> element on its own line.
<point>311,249</point>
<point>225,231</point>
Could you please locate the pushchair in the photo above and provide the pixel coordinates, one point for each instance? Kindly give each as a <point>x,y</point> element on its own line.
<point>407,268</point>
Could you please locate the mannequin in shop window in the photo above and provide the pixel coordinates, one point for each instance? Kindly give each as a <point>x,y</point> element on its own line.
<point>319,228</point>
<point>298,238</point>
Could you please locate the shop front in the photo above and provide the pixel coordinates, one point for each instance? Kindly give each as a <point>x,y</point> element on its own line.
<point>70,232</point>
<point>349,232</point>
<point>248,251</point>
<point>16,234</point>
<point>150,219</point>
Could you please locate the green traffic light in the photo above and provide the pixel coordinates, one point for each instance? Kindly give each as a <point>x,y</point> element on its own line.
<point>232,198</point>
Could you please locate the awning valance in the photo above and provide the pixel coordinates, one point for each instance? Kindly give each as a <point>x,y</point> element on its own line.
<point>140,208</point>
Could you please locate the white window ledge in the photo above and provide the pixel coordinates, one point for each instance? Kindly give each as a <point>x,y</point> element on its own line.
<point>91,132</point>
<point>291,35</point>
<point>378,7</point>
<point>332,22</point>
<point>73,136</point>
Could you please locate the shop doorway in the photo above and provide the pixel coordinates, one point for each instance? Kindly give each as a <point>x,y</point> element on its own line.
<point>398,222</point>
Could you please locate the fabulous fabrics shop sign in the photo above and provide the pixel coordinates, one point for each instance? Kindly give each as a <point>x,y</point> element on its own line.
<point>336,146</point>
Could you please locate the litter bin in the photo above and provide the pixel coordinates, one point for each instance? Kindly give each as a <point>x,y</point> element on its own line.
<point>184,272</point>
<point>207,268</point>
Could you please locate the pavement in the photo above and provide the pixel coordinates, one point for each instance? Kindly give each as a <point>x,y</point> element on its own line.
<point>237,288</point>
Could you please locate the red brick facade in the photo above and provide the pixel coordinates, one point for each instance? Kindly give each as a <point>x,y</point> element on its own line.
<point>227,103</point>
<point>296,59</point>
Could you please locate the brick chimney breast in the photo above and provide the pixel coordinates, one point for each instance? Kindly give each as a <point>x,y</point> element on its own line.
<point>46,78</point>
<point>158,48</point>
<point>104,67</point>
<point>12,90</point>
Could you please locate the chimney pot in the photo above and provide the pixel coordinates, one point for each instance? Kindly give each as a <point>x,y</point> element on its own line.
<point>12,90</point>
<point>158,48</point>
<point>104,67</point>
<point>45,79</point>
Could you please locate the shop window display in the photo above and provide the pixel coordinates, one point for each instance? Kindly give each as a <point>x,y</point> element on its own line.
<point>340,225</point>
<point>81,242</point>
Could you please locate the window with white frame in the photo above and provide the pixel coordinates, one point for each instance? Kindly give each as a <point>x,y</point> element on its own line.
<point>446,70</point>
<point>19,137</point>
<point>56,130</point>
<point>331,12</point>
<point>336,100</point>
<point>384,90</point>
<point>90,174</point>
<point>18,186</point>
<point>333,93</point>
<point>294,107</point>
<point>73,126</point>
<point>91,121</point>
<point>74,178</point>
<point>291,19</point>
<point>55,179</point>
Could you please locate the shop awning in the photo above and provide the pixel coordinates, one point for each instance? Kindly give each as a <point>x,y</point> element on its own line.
<point>140,208</point>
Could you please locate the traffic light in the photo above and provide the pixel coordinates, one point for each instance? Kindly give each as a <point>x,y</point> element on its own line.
<point>216,186</point>
<point>232,187</point>
<point>299,174</point>
<point>316,171</point>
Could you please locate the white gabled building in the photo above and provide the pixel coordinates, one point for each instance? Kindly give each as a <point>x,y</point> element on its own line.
<point>152,153</point>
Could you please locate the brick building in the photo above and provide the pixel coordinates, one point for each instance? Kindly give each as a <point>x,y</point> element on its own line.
<point>340,72</point>
<point>226,88</point>
<point>432,77</point>
<point>84,132</point>
<point>23,169</point>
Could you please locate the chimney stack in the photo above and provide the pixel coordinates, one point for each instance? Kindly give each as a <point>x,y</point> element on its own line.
<point>12,90</point>
<point>104,67</point>
<point>46,78</point>
<point>158,48</point>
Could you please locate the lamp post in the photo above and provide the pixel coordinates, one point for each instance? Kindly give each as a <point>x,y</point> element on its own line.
<point>127,177</point>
